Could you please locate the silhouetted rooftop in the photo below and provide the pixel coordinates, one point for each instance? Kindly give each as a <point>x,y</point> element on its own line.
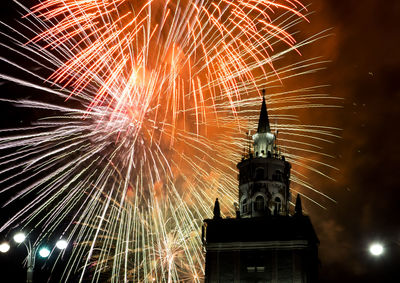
<point>270,228</point>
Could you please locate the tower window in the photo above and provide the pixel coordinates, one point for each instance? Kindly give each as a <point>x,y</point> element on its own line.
<point>244,206</point>
<point>259,203</point>
<point>278,204</point>
<point>277,176</point>
<point>260,268</point>
<point>252,269</point>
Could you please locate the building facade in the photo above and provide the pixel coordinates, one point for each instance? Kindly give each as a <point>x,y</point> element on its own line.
<point>265,242</point>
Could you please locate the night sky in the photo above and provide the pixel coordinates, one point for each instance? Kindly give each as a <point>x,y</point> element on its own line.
<point>365,71</point>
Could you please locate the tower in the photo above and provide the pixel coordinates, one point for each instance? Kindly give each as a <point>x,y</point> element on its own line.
<point>265,177</point>
<point>265,242</point>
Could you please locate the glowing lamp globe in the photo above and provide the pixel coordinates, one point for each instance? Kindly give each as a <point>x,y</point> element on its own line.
<point>44,252</point>
<point>4,247</point>
<point>62,244</point>
<point>19,237</point>
<point>376,249</point>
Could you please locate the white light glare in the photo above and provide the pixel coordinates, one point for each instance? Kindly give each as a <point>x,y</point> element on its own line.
<point>19,237</point>
<point>44,252</point>
<point>376,249</point>
<point>62,244</point>
<point>4,247</point>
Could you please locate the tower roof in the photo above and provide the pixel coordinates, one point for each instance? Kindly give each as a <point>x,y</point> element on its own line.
<point>263,122</point>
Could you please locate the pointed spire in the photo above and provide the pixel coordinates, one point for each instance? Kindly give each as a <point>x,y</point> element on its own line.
<point>237,209</point>
<point>263,139</point>
<point>298,209</point>
<point>217,211</point>
<point>263,123</point>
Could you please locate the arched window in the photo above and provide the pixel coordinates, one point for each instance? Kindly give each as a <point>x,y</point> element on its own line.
<point>259,203</point>
<point>278,204</point>
<point>244,206</point>
<point>277,176</point>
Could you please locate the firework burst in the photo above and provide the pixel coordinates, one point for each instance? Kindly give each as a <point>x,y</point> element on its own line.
<point>156,97</point>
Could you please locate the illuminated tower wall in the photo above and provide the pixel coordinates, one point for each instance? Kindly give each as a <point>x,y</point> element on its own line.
<point>265,242</point>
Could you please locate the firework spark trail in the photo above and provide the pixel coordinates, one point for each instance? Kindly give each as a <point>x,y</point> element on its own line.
<point>109,53</point>
<point>129,165</point>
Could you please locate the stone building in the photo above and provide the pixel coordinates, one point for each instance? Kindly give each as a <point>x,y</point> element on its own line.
<point>265,242</point>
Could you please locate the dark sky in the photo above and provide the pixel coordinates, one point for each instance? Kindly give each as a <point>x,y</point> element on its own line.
<point>365,71</point>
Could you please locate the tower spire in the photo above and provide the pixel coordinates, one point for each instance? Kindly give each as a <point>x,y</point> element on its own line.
<point>217,210</point>
<point>263,139</point>
<point>298,208</point>
<point>263,122</point>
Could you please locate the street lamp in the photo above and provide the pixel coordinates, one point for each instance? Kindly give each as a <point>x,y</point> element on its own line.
<point>62,244</point>
<point>19,237</point>
<point>4,247</point>
<point>386,246</point>
<point>376,249</point>
<point>43,252</point>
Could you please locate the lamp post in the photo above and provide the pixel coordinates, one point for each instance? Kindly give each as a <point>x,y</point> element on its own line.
<point>378,248</point>
<point>44,252</point>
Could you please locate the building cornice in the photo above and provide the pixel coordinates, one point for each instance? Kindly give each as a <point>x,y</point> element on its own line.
<point>266,245</point>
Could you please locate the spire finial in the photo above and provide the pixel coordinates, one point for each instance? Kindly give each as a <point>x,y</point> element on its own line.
<point>298,209</point>
<point>263,123</point>
<point>217,211</point>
